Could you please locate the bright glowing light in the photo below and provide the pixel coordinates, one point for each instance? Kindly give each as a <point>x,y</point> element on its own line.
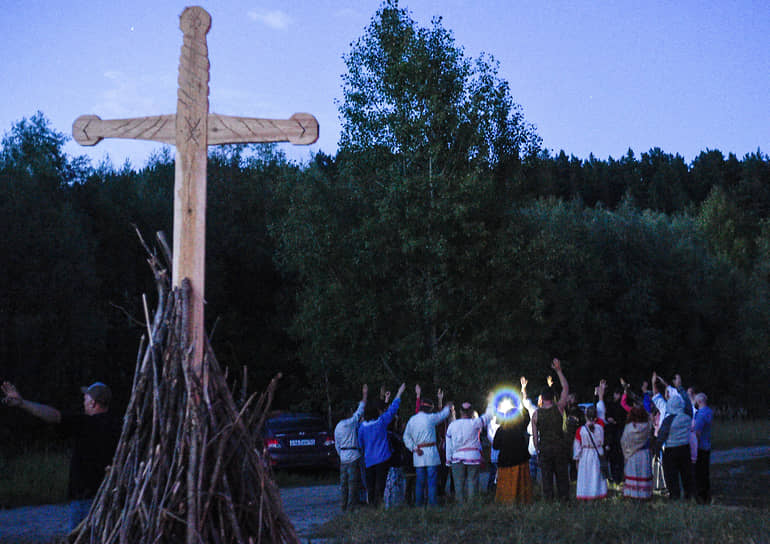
<point>506,403</point>
<point>505,406</point>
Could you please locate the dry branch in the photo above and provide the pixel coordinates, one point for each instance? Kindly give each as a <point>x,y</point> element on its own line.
<point>188,467</point>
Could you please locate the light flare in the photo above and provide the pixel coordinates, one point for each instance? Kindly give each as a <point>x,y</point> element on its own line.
<point>506,403</point>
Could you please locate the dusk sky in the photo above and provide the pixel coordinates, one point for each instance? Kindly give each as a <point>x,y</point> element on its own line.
<point>593,76</point>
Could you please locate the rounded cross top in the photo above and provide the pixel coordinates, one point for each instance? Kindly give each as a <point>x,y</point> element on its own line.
<point>195,20</point>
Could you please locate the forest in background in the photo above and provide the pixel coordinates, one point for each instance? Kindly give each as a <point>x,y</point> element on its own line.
<point>442,244</point>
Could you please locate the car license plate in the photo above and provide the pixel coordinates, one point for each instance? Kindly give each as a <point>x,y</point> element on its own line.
<point>302,442</point>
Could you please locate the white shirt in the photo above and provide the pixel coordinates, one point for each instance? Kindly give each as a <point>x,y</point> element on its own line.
<point>346,436</point>
<point>531,408</point>
<point>463,444</point>
<point>421,429</point>
<point>491,430</point>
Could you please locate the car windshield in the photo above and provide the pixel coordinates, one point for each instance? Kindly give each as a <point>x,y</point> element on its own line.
<point>285,425</point>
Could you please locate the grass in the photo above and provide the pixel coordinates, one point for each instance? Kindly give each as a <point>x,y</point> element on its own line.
<point>34,476</point>
<point>740,514</point>
<point>40,475</point>
<point>726,435</point>
<point>742,484</point>
<point>612,520</point>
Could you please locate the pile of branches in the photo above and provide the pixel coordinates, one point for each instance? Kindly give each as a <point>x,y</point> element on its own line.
<point>188,467</point>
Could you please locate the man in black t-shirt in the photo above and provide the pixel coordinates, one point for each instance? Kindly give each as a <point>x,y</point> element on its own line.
<point>94,433</point>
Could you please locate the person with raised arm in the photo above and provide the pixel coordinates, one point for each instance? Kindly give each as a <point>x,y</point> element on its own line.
<point>575,418</point>
<point>673,435</point>
<point>373,441</point>
<point>587,447</point>
<point>530,407</point>
<point>614,421</point>
<point>463,450</point>
<point>514,480</point>
<point>346,443</point>
<point>94,434</point>
<point>420,439</point>
<point>550,441</point>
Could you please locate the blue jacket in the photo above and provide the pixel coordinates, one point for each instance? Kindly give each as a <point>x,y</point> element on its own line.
<point>373,436</point>
<point>703,419</point>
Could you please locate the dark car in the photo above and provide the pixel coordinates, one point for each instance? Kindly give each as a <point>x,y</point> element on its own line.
<point>294,440</point>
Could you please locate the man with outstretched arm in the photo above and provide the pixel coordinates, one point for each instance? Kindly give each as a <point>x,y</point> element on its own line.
<point>550,441</point>
<point>346,444</point>
<point>95,434</point>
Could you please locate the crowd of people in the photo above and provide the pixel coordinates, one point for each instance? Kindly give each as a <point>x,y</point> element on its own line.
<point>656,439</point>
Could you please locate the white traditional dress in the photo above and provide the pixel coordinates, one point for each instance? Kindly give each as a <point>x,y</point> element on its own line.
<point>590,482</point>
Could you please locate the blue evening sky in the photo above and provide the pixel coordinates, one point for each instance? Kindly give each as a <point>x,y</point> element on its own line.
<point>593,76</point>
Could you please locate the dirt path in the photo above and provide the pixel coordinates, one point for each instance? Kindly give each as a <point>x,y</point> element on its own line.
<point>308,508</point>
<point>719,457</point>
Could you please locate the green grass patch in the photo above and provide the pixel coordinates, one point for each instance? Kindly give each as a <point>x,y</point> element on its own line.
<point>745,483</point>
<point>726,435</point>
<point>35,476</point>
<point>612,520</point>
<point>740,514</point>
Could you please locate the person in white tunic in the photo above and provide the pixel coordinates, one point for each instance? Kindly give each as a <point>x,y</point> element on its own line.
<point>463,451</point>
<point>420,438</point>
<point>589,440</point>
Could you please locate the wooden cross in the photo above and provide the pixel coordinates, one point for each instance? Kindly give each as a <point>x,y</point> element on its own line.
<point>192,130</point>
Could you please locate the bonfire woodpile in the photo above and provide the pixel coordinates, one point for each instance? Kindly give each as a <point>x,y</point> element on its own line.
<point>188,467</point>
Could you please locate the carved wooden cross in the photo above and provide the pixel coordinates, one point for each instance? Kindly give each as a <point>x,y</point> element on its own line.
<point>191,130</point>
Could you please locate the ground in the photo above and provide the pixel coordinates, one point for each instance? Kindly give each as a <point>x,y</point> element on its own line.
<point>307,507</point>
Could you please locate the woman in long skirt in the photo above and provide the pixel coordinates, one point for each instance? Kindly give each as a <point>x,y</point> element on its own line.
<point>589,441</point>
<point>635,443</point>
<point>514,484</point>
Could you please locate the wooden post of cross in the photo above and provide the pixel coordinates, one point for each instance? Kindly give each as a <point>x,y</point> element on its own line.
<point>192,130</point>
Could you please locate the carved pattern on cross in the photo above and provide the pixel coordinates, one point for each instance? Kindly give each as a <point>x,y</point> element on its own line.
<point>191,130</point>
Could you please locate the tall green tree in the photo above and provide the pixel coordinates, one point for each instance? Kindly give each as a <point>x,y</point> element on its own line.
<point>403,230</point>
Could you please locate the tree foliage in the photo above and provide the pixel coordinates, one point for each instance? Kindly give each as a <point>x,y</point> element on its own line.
<point>440,244</point>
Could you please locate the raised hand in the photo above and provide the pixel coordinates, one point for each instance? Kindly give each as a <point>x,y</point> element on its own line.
<point>440,394</point>
<point>549,381</point>
<point>523,382</point>
<point>401,389</point>
<point>365,391</point>
<point>387,397</point>
<point>417,390</point>
<point>556,364</point>
<point>12,396</point>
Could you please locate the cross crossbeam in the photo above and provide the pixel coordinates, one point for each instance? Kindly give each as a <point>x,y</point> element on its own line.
<point>192,129</point>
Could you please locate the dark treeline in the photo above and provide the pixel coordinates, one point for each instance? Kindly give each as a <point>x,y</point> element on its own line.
<point>441,244</point>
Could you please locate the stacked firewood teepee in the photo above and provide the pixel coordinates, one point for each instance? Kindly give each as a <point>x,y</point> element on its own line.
<point>188,467</point>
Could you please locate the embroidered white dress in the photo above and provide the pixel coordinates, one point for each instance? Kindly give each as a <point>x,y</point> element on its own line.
<point>590,482</point>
